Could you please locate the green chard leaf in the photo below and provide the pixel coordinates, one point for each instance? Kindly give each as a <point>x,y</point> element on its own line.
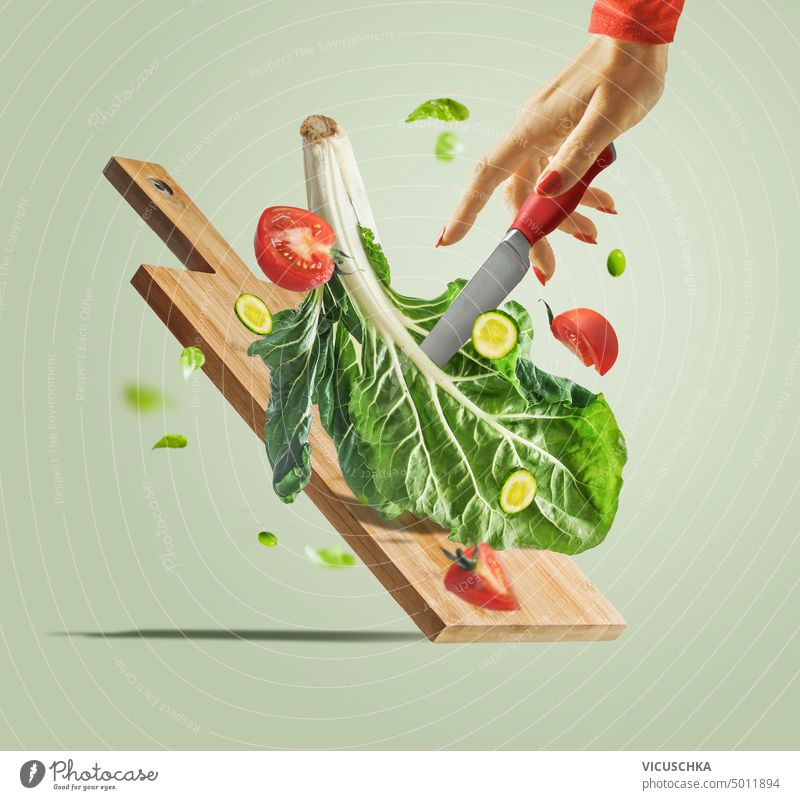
<point>171,440</point>
<point>192,359</point>
<point>447,146</point>
<point>295,352</point>
<point>443,108</point>
<point>375,255</point>
<point>411,437</point>
<point>438,443</point>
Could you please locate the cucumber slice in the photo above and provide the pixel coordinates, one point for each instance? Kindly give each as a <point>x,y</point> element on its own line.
<point>518,492</point>
<point>494,334</point>
<point>253,314</point>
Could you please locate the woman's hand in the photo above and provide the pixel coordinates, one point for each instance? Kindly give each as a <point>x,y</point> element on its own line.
<point>559,132</point>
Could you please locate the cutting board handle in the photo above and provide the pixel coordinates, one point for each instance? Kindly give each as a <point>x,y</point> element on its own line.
<point>159,200</point>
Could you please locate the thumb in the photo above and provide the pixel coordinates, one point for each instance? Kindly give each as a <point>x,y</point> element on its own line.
<point>588,138</point>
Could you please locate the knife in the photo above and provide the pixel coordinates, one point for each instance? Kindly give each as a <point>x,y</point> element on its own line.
<point>507,265</point>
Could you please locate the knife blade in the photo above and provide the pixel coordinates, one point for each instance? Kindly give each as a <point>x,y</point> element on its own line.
<point>507,265</point>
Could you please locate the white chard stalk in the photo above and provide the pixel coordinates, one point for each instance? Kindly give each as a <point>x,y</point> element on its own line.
<point>335,190</point>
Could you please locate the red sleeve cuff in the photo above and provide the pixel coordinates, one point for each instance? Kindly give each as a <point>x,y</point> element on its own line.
<point>643,21</point>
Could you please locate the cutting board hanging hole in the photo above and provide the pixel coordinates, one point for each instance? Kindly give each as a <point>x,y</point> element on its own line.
<point>162,187</point>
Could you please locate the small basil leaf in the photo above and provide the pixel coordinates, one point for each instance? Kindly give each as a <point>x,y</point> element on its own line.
<point>142,398</point>
<point>443,108</point>
<point>192,359</point>
<point>330,557</point>
<point>173,440</point>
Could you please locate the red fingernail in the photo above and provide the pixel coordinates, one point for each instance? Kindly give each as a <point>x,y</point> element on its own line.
<point>538,273</point>
<point>582,237</point>
<point>441,236</point>
<point>549,183</point>
<point>608,210</point>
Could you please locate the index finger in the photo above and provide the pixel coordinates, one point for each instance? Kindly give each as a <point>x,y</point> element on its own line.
<point>489,172</point>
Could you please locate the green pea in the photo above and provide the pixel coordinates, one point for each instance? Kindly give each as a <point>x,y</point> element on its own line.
<point>616,263</point>
<point>268,539</point>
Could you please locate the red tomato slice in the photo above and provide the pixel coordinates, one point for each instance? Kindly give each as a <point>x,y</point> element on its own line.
<point>293,248</point>
<point>480,579</point>
<point>588,334</point>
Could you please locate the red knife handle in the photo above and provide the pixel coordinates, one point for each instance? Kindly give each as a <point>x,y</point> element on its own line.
<point>542,215</point>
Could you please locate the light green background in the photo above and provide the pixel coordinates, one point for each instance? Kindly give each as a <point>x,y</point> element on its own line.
<point>703,557</point>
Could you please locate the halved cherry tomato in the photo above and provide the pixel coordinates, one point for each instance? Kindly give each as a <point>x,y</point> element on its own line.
<point>294,248</point>
<point>588,334</point>
<point>477,576</point>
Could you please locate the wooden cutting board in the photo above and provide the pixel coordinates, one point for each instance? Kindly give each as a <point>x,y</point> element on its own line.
<point>557,601</point>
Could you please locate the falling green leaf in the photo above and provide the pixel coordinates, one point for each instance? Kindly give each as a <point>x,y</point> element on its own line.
<point>443,108</point>
<point>330,557</point>
<point>267,539</point>
<point>448,146</point>
<point>143,398</point>
<point>173,440</point>
<point>192,359</point>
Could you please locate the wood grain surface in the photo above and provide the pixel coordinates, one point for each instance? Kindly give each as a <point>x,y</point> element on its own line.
<point>557,601</point>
